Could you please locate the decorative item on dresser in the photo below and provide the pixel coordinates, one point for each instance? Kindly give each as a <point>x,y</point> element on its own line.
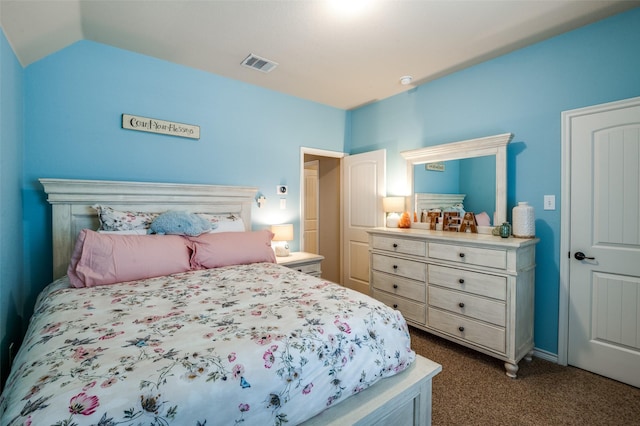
<point>301,261</point>
<point>393,207</point>
<point>473,289</point>
<point>524,221</point>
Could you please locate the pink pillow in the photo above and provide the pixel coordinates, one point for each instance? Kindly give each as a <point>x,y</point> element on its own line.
<point>482,219</point>
<point>99,259</point>
<point>231,248</point>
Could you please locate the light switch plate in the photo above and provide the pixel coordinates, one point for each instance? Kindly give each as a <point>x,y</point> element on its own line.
<point>549,202</point>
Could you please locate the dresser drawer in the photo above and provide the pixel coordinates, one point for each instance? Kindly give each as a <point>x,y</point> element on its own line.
<point>399,286</point>
<point>472,282</point>
<point>309,268</point>
<point>411,310</point>
<point>469,255</point>
<point>465,304</point>
<point>486,335</point>
<point>402,267</point>
<point>400,245</point>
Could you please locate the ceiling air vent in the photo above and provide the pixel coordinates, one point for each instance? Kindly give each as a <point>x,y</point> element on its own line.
<point>257,63</point>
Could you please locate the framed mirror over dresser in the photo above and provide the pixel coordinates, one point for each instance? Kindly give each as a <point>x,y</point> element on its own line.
<point>475,289</point>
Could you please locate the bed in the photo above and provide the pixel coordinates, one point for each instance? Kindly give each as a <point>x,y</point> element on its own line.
<point>248,342</point>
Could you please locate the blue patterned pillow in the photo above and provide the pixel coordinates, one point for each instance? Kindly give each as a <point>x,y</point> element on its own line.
<point>180,223</point>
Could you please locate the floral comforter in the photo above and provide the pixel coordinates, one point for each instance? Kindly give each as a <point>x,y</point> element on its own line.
<point>256,344</point>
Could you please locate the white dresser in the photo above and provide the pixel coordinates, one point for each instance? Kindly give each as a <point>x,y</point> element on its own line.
<point>474,289</point>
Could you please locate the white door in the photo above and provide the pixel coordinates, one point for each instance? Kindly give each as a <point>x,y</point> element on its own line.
<point>363,186</point>
<point>604,248</point>
<point>311,206</point>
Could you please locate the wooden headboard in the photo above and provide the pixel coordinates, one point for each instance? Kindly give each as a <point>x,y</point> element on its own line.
<point>72,199</point>
<point>427,201</point>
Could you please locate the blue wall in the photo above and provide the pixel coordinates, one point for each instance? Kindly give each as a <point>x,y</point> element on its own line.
<point>250,136</point>
<point>523,93</point>
<point>60,117</point>
<point>11,285</point>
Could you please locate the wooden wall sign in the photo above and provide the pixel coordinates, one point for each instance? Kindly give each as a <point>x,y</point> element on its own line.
<point>435,167</point>
<point>153,125</point>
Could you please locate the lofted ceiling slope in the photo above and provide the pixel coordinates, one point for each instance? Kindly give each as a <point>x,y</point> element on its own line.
<point>325,55</point>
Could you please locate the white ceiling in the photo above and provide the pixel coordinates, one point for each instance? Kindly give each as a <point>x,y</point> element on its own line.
<point>335,59</point>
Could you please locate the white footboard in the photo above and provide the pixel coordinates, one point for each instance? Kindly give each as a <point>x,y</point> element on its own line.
<point>404,399</point>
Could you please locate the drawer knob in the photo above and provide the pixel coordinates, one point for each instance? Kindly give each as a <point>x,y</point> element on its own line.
<point>395,266</point>
<point>461,254</point>
<point>395,306</point>
<point>461,328</point>
<point>395,245</point>
<point>395,286</point>
<point>299,270</point>
<point>461,304</point>
<point>461,280</point>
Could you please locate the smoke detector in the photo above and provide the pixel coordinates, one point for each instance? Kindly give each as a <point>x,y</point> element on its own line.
<point>406,80</point>
<point>258,63</point>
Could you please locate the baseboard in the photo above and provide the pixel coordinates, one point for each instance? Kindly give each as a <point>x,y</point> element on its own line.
<point>548,356</point>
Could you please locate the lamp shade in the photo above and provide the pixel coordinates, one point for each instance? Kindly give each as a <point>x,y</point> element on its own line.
<point>393,204</point>
<point>282,232</point>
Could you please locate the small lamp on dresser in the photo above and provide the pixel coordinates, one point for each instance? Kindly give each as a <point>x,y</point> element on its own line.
<point>282,234</point>
<point>393,207</point>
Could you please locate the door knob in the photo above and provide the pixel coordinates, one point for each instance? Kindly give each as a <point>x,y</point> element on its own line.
<point>581,256</point>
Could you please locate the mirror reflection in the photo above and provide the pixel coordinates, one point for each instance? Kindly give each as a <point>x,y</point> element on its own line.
<point>479,166</point>
<point>475,177</point>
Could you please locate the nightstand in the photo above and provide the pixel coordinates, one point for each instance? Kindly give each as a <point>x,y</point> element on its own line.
<point>301,261</point>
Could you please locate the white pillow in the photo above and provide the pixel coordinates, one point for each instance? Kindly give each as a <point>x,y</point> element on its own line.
<point>224,222</point>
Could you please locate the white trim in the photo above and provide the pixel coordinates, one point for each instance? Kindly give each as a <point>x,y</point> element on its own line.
<point>315,164</point>
<point>320,153</point>
<point>565,219</point>
<point>456,150</point>
<point>548,356</point>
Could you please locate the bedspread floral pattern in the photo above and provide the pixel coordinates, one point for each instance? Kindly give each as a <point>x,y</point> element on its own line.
<point>253,344</point>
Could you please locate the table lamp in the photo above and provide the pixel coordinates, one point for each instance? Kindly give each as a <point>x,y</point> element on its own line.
<point>393,206</point>
<point>282,234</point>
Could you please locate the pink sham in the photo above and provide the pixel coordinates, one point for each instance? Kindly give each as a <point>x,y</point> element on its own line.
<point>100,259</point>
<point>231,248</point>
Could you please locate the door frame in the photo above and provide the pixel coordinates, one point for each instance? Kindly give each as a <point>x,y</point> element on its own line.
<point>320,153</point>
<point>565,217</point>
<point>303,202</point>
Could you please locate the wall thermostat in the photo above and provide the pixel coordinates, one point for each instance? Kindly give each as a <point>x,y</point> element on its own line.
<point>282,189</point>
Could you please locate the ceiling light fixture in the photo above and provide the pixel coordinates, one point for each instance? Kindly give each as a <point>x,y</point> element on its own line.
<point>347,8</point>
<point>406,80</point>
